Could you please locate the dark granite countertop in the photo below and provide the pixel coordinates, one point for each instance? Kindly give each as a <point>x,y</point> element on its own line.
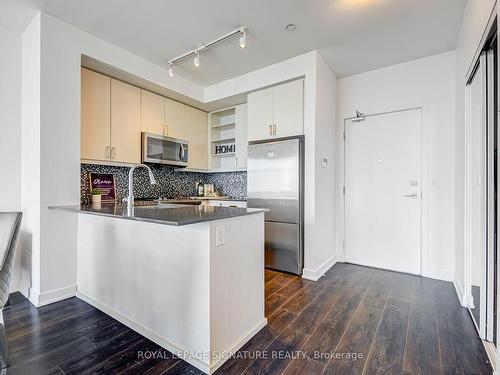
<point>168,214</point>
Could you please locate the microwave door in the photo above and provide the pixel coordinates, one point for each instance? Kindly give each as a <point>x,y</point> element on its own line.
<point>163,150</point>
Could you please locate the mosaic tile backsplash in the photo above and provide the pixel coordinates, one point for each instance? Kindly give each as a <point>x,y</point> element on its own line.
<point>169,182</point>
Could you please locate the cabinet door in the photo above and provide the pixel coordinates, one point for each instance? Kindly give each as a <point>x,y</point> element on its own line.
<point>95,115</point>
<point>197,135</point>
<point>152,113</point>
<point>289,108</point>
<point>175,124</point>
<point>125,122</point>
<point>260,114</point>
<point>241,136</point>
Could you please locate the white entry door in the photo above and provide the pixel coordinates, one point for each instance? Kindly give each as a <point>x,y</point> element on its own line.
<point>383,191</point>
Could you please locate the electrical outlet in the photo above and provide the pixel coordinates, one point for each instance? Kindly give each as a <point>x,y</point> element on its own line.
<point>220,235</point>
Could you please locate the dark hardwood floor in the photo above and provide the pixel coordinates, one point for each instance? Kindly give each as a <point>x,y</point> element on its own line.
<point>354,320</point>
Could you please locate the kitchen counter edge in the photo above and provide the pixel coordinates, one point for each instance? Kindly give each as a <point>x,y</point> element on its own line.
<point>189,214</point>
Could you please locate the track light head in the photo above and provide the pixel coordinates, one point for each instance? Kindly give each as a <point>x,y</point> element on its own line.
<point>171,69</point>
<point>197,58</point>
<point>243,39</point>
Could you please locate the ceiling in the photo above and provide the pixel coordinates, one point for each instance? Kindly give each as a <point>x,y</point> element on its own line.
<point>353,36</point>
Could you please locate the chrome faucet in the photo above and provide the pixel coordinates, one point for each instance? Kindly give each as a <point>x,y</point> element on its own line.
<point>130,197</point>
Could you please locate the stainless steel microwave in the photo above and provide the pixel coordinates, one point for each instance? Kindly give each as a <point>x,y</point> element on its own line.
<point>159,149</point>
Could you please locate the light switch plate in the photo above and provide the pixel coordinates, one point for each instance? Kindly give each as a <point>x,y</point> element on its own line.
<point>220,235</point>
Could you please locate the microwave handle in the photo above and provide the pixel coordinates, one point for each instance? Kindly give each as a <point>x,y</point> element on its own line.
<point>182,152</point>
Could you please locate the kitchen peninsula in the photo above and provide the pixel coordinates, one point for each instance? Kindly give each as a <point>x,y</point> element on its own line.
<point>190,278</point>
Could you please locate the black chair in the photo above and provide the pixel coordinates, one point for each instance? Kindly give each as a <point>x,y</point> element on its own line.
<point>10,224</point>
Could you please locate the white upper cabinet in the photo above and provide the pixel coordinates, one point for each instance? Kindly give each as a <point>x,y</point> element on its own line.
<point>289,109</point>
<point>260,114</point>
<point>276,111</point>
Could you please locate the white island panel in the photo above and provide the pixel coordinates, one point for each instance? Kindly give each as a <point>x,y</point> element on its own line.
<point>174,285</point>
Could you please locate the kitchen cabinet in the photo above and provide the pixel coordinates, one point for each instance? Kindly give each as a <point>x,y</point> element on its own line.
<point>197,136</point>
<point>260,114</point>
<point>176,119</point>
<point>289,109</point>
<point>276,111</point>
<point>114,113</point>
<point>125,122</point>
<point>95,116</point>
<point>153,109</point>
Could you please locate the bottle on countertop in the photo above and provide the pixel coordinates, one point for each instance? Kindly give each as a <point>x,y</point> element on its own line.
<point>200,189</point>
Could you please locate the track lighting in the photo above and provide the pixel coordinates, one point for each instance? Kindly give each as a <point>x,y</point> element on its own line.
<point>197,58</point>
<point>241,32</point>
<point>243,39</point>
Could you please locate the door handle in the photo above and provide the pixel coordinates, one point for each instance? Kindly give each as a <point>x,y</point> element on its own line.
<point>107,153</point>
<point>411,195</point>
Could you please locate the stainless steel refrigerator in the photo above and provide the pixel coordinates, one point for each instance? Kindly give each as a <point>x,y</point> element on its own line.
<point>276,181</point>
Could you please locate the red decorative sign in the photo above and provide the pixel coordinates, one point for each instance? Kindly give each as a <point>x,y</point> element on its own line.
<point>105,184</point>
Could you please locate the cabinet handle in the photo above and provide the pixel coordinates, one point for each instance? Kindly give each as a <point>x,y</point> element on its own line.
<point>274,129</point>
<point>236,161</point>
<point>163,129</point>
<point>270,130</point>
<point>166,130</point>
<point>106,153</point>
<point>113,153</point>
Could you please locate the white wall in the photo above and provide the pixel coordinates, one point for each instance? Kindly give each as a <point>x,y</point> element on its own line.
<point>322,234</point>
<point>427,83</point>
<point>10,129</point>
<point>476,16</point>
<point>30,159</point>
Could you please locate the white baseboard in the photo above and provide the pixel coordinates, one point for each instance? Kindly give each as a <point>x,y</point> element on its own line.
<point>237,345</point>
<point>198,363</point>
<point>460,293</point>
<point>439,275</point>
<point>46,298</point>
<point>316,274</point>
